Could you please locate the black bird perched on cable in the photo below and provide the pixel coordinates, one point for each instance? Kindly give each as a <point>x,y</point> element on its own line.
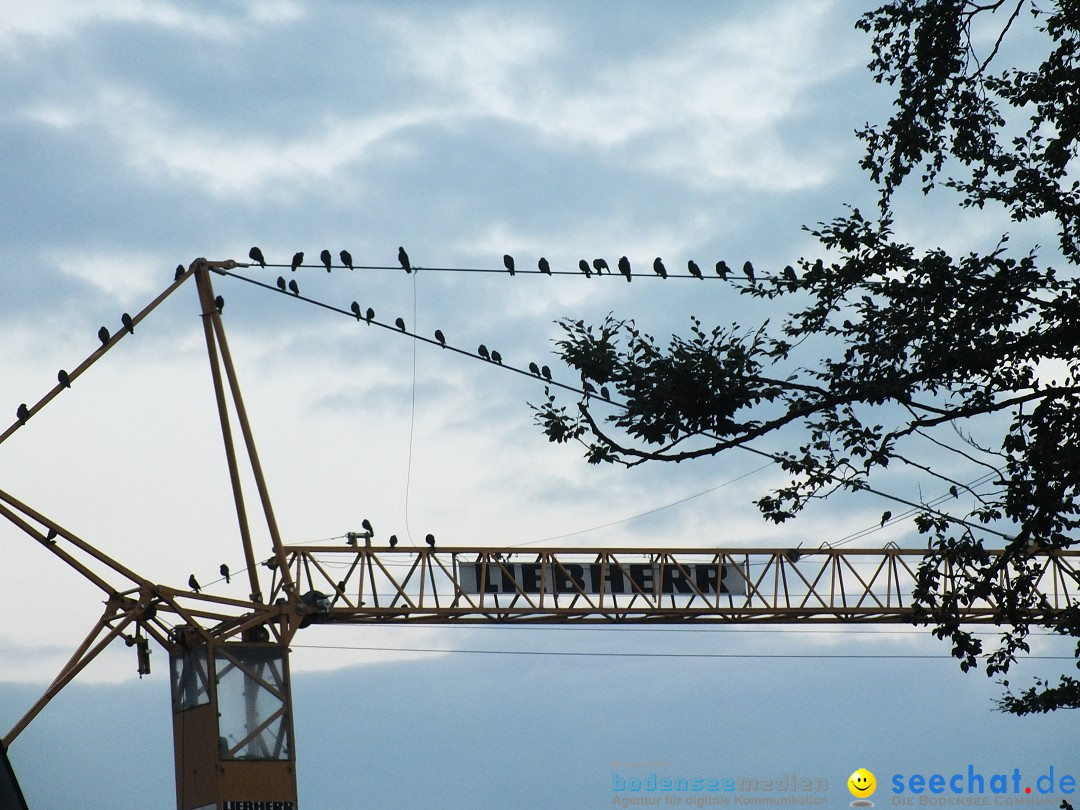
<point>369,316</point>
<point>355,307</point>
<point>294,288</point>
<point>534,369</point>
<point>127,321</point>
<point>63,378</point>
<point>790,275</point>
<point>281,283</point>
<point>365,524</point>
<point>219,302</point>
<point>722,269</point>
<point>546,372</point>
<point>496,357</point>
<point>23,413</point>
<point>508,263</point>
<point>346,259</point>
<point>324,257</point>
<point>600,265</point>
<point>658,267</point>
<point>179,272</point>
<point>225,573</point>
<point>885,517</point>
<point>584,267</point>
<point>297,260</point>
<point>430,540</point>
<point>103,335</point>
<point>695,271</point>
<point>256,255</point>
<point>393,540</point>
<point>604,392</point>
<point>403,258</point>
<point>748,271</point>
<point>439,336</point>
<point>193,583</point>
<point>544,266</point>
<point>399,323</point>
<point>482,350</point>
<point>624,267</point>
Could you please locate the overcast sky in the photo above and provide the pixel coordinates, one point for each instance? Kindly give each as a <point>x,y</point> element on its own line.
<point>138,135</point>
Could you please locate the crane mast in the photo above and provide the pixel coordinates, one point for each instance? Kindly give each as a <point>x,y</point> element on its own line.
<point>233,734</point>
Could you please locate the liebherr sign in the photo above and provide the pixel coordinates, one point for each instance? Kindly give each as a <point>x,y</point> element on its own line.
<point>646,578</point>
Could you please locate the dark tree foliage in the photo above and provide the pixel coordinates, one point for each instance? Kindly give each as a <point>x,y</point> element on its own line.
<point>893,354</point>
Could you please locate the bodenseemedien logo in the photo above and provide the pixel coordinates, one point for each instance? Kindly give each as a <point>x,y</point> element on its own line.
<point>862,785</point>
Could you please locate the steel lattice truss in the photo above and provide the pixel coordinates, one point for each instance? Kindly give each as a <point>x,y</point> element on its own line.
<point>348,585</point>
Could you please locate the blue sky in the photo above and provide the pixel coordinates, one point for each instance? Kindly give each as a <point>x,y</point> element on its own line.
<point>138,135</point>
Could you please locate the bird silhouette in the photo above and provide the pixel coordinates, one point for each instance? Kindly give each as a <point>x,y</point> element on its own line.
<point>885,517</point>
<point>722,269</point>
<point>600,265</point>
<point>403,258</point>
<point>544,266</point>
<point>695,271</point>
<point>365,524</point>
<point>439,336</point>
<point>281,283</point>
<point>256,255</point>
<point>399,323</point>
<point>393,540</point>
<point>324,257</point>
<point>193,583</point>
<point>658,267</point>
<point>369,316</point>
<point>128,322</point>
<point>297,260</point>
<point>346,259</point>
<point>584,267</point>
<point>624,267</point>
<point>482,350</point>
<point>790,276</point>
<point>63,378</point>
<point>534,369</point>
<point>588,387</point>
<point>430,540</point>
<point>103,335</point>
<point>294,288</point>
<point>604,392</point>
<point>748,271</point>
<point>508,263</point>
<point>179,272</point>
<point>496,357</point>
<point>355,307</point>
<point>546,372</point>
<point>23,413</point>
<point>219,302</point>
<point>225,573</point>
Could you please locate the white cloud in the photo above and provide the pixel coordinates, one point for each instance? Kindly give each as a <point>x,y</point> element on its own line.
<point>62,19</point>
<point>708,109</point>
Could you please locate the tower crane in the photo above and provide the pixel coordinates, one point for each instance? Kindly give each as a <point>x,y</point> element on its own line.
<point>233,736</point>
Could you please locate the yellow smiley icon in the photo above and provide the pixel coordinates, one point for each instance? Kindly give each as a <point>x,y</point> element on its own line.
<point>862,783</point>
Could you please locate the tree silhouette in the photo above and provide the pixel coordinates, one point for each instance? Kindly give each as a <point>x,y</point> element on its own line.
<point>893,354</point>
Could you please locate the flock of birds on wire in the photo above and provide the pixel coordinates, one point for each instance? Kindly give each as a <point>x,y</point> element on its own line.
<point>597,266</point>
